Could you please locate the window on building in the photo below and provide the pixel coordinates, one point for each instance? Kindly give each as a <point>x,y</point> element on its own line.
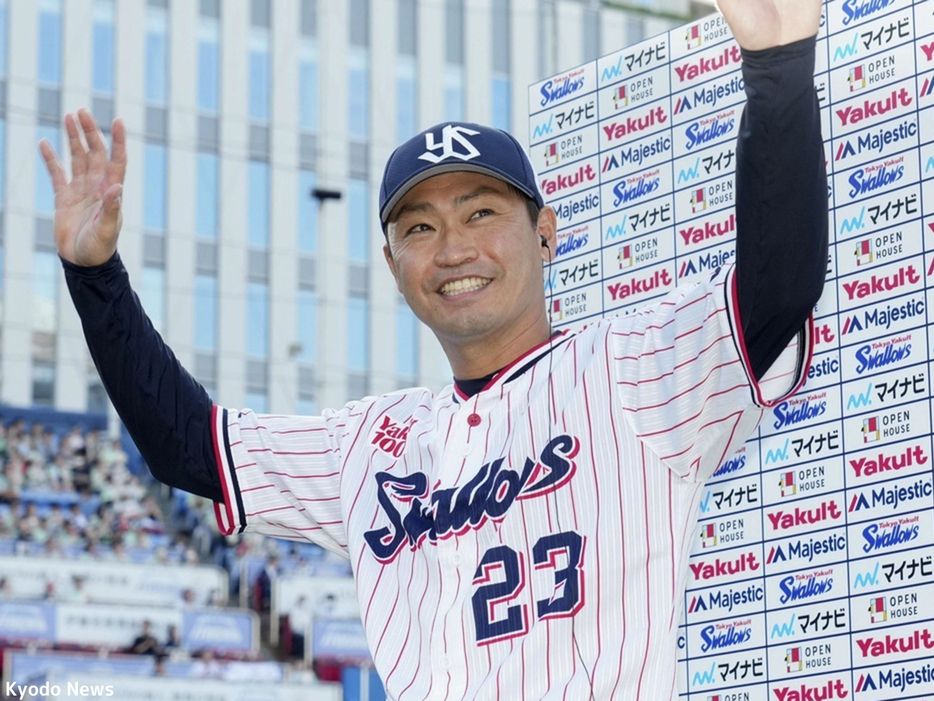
<point>152,295</point>
<point>258,402</point>
<point>309,18</point>
<point>454,32</point>
<point>157,56</point>
<point>258,204</point>
<point>4,14</point>
<point>406,97</point>
<point>98,402</point>
<point>307,326</point>
<point>259,76</point>
<point>257,320</point>
<point>358,122</point>
<point>43,384</point>
<point>359,22</point>
<point>206,209</point>
<point>45,195</point>
<point>453,93</point>
<point>307,406</point>
<point>501,85</point>
<point>307,213</point>
<point>50,42</point>
<point>591,33</point>
<point>209,66</point>
<point>46,270</point>
<point>358,334</point>
<point>154,187</point>
<point>406,342</point>
<point>308,86</point>
<point>358,221</point>
<point>206,313</point>
<point>103,52</point>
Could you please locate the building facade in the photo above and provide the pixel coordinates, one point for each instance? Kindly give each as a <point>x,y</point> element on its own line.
<point>257,134</point>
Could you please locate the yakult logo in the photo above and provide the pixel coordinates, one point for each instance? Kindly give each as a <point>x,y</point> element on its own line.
<point>728,57</point>
<point>390,437</point>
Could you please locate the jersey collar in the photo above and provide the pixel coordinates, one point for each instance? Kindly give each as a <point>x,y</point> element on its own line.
<point>525,362</point>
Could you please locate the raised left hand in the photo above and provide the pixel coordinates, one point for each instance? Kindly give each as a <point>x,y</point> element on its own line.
<point>762,24</point>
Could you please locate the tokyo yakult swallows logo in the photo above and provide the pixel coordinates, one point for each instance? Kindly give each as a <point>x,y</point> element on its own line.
<point>416,513</point>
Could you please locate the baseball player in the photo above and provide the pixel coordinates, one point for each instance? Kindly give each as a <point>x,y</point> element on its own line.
<point>525,533</point>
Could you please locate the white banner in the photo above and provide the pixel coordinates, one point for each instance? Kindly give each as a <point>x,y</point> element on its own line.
<point>115,582</point>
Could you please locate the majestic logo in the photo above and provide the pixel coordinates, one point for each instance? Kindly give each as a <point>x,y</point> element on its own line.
<point>454,511</point>
<point>451,135</point>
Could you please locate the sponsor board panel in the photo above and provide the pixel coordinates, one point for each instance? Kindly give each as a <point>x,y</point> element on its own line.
<point>570,179</point>
<point>886,390</point>
<point>824,370</point>
<point>730,498</point>
<point>874,250</point>
<point>889,534</point>
<point>884,282</point>
<point>639,252</point>
<point>631,61</point>
<point>903,608</point>
<point>718,94</point>
<point>744,463</point>
<point>634,91</point>
<point>696,168</point>
<point>728,635</point>
<point>636,189</point>
<point>872,108</point>
<point>639,286</point>
<point>881,573</point>
<point>817,407</point>
<point>695,37</point>
<point>562,88</point>
<point>850,14</point>
<point>577,209</point>
<point>806,550</point>
<point>698,201</point>
<point>736,601</point>
<point>635,155</point>
<point>729,531</point>
<point>859,147</point>
<point>888,66</point>
<point>810,479</point>
<point>639,219</point>
<point>705,132</point>
<point>902,459</point>
<point>888,499</point>
<point>571,274</point>
<point>737,676</point>
<point>577,304</point>
<point>881,428</point>
<point>913,680</point>
<point>828,687</point>
<point>809,586</point>
<point>718,569</point>
<point>804,515</point>
<point>797,659</point>
<point>556,122</point>
<point>881,176</point>
<point>875,214</point>
<point>805,445</point>
<point>563,150</point>
<point>577,240</point>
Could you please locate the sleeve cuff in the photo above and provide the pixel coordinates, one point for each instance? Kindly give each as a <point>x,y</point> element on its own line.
<point>93,271</point>
<point>788,373</point>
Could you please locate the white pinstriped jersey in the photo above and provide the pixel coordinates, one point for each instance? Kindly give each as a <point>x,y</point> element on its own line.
<point>533,539</point>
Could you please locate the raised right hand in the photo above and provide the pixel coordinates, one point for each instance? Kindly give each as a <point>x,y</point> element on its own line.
<point>87,208</point>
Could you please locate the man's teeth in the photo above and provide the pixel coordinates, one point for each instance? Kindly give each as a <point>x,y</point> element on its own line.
<point>467,285</point>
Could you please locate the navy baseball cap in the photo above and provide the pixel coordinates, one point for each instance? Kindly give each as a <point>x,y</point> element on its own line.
<point>455,147</point>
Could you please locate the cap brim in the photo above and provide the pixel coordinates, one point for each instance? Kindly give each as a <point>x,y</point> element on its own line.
<point>439,170</point>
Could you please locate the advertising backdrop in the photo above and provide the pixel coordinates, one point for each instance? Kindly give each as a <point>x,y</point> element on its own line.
<point>813,568</point>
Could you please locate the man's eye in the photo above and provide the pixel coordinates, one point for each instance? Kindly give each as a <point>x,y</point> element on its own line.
<point>418,228</point>
<point>481,213</point>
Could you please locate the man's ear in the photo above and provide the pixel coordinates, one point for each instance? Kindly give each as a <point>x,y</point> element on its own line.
<point>387,254</point>
<point>547,228</point>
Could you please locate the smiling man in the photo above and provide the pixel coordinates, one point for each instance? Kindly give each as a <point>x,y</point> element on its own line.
<point>525,532</point>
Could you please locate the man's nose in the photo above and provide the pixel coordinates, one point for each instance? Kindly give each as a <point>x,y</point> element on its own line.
<point>456,247</point>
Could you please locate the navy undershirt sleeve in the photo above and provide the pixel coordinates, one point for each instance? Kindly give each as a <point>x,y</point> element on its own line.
<point>166,411</point>
<point>781,200</point>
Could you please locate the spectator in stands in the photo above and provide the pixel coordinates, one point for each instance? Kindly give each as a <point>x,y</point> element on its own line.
<point>145,643</point>
<point>6,591</point>
<point>207,667</point>
<point>159,669</point>
<point>77,517</point>
<point>173,641</point>
<point>262,592</point>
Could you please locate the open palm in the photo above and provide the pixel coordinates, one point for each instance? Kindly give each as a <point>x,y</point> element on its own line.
<point>762,24</point>
<point>87,207</point>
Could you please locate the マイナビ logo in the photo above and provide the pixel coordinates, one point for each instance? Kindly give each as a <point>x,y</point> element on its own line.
<point>451,135</point>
